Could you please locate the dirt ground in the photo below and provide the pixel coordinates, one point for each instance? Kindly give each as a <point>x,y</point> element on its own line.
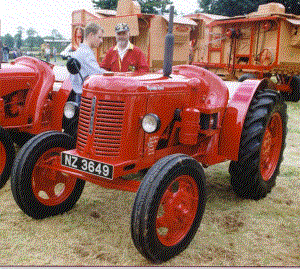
<point>234,232</point>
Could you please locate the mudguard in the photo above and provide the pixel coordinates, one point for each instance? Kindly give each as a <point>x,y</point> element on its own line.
<point>235,115</point>
<point>36,100</point>
<point>59,102</point>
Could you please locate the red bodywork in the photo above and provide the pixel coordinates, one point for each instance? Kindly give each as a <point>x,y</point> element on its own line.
<point>113,134</point>
<point>31,99</point>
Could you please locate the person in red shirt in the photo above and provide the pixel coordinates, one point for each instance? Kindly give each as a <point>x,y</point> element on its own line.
<point>124,56</point>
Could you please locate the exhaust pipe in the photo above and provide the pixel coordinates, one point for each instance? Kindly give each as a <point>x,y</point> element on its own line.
<point>169,46</point>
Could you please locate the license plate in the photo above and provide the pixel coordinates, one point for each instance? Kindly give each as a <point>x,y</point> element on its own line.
<point>86,165</point>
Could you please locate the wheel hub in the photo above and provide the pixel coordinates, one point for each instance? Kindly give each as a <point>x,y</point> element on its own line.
<point>271,146</point>
<point>177,210</point>
<point>50,186</point>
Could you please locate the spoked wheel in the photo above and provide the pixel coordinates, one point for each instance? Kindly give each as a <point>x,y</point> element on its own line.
<point>7,156</point>
<point>261,147</point>
<point>38,186</point>
<point>168,208</point>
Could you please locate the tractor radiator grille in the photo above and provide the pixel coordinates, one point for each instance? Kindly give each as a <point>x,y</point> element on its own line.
<point>109,116</point>
<point>84,122</point>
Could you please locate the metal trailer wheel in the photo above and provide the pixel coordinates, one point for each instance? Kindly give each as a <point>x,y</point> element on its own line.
<point>261,147</point>
<point>38,187</point>
<point>7,156</point>
<point>168,207</point>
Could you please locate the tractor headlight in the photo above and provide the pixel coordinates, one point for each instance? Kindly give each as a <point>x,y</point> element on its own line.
<point>151,123</point>
<point>70,109</point>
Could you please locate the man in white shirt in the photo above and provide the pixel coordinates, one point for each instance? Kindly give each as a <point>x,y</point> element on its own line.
<point>93,34</point>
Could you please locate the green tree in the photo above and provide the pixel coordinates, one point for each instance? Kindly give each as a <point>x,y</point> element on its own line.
<point>147,6</point>
<point>55,34</point>
<point>105,4</point>
<point>9,41</point>
<point>34,41</point>
<point>38,41</point>
<point>18,37</point>
<point>30,40</point>
<point>31,32</point>
<point>237,7</point>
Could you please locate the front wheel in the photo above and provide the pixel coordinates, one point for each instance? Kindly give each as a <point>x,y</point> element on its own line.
<point>38,186</point>
<point>168,207</point>
<point>261,146</point>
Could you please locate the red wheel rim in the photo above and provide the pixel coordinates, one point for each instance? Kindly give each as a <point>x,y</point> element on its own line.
<point>177,210</point>
<point>2,158</point>
<point>50,186</point>
<point>271,147</point>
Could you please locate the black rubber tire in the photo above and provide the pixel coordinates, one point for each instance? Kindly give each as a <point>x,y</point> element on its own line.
<point>10,153</point>
<point>246,76</point>
<point>294,96</point>
<point>246,177</point>
<point>21,178</point>
<point>20,138</point>
<point>147,201</point>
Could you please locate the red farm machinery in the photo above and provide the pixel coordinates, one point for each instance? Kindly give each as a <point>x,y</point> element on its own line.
<point>32,101</point>
<point>168,124</point>
<point>263,44</point>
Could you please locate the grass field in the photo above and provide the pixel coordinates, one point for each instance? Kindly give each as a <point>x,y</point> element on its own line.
<point>234,232</point>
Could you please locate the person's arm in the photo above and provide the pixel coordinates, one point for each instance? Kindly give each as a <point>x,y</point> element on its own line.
<point>93,66</point>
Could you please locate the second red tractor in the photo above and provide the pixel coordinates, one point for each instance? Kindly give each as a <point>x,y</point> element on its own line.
<point>32,101</point>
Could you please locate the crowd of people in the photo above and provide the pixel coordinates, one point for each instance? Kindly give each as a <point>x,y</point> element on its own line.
<point>6,54</point>
<point>47,52</point>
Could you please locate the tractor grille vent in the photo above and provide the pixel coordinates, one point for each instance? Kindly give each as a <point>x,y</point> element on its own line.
<point>108,126</point>
<point>84,122</point>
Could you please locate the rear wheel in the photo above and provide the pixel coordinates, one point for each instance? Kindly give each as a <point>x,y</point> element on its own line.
<point>38,186</point>
<point>168,208</point>
<point>261,147</point>
<point>7,156</point>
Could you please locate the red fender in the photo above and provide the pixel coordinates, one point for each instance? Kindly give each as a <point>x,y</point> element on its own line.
<point>59,102</point>
<point>235,115</point>
<point>36,100</point>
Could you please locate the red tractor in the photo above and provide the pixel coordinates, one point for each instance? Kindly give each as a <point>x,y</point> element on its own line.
<point>170,125</point>
<point>32,101</point>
